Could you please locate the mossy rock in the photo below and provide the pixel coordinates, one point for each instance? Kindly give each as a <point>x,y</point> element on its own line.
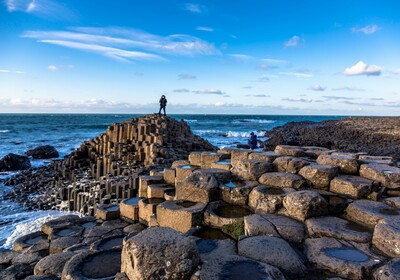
<point>234,230</point>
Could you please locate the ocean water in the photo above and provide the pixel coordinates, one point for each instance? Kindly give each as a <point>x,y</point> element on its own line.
<point>21,132</point>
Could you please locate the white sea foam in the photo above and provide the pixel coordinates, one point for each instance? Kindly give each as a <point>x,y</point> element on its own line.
<point>235,134</point>
<point>23,223</point>
<point>253,121</point>
<point>4,131</point>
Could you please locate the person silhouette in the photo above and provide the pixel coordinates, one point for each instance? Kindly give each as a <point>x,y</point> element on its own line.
<point>252,141</point>
<point>163,104</point>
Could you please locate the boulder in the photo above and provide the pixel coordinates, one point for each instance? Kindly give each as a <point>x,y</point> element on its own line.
<point>345,164</point>
<point>282,180</point>
<point>340,258</point>
<point>289,164</point>
<point>251,170</point>
<point>198,187</point>
<point>53,264</point>
<point>13,162</point>
<point>319,176</point>
<point>274,225</point>
<point>264,200</point>
<point>353,186</point>
<point>302,205</point>
<point>43,152</point>
<point>159,253</point>
<point>388,176</point>
<point>369,213</point>
<point>387,236</point>
<point>280,253</point>
<point>337,228</point>
<point>389,271</point>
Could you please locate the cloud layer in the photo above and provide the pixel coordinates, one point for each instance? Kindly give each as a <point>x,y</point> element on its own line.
<point>367,30</point>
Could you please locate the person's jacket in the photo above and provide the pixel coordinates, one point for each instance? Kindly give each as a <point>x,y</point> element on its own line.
<point>253,141</point>
<point>163,102</point>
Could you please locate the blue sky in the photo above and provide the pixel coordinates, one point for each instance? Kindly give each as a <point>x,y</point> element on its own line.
<point>231,57</point>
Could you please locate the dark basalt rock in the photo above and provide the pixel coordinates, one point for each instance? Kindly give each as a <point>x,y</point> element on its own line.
<point>373,135</point>
<point>13,162</point>
<point>43,152</point>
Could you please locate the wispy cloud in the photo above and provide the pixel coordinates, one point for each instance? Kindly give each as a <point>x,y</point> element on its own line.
<point>52,68</point>
<point>367,30</point>
<point>297,74</point>
<point>258,95</point>
<point>360,68</point>
<point>317,87</point>
<point>292,42</point>
<point>210,91</point>
<point>332,97</point>
<point>194,8</point>
<point>348,88</point>
<point>247,87</point>
<point>186,77</point>
<point>43,8</point>
<point>204,28</point>
<point>297,100</point>
<point>181,90</point>
<point>241,58</point>
<point>10,71</point>
<point>125,44</point>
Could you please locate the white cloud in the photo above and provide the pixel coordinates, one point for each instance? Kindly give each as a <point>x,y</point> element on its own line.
<point>258,95</point>
<point>186,77</point>
<point>297,74</point>
<point>272,60</point>
<point>292,42</point>
<point>19,72</point>
<point>297,100</point>
<point>241,58</point>
<point>4,71</point>
<point>181,90</point>
<point>42,8</point>
<point>317,87</point>
<point>348,88</point>
<point>210,91</point>
<point>115,53</point>
<point>333,97</point>
<point>204,28</point>
<point>122,44</point>
<point>194,8</point>
<point>52,68</point>
<point>9,71</point>
<point>367,30</point>
<point>360,68</point>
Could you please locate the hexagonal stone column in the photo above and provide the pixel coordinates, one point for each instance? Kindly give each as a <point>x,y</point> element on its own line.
<point>388,176</point>
<point>302,205</point>
<point>387,236</point>
<point>345,164</point>
<point>353,186</point>
<point>282,180</point>
<point>319,176</point>
<point>198,187</point>
<point>250,169</point>
<point>263,199</point>
<point>129,209</point>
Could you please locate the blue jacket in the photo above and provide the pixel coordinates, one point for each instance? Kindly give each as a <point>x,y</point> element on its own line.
<point>253,141</point>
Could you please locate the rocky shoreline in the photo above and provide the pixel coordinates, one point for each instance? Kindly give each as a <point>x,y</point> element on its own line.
<point>297,212</point>
<point>378,136</point>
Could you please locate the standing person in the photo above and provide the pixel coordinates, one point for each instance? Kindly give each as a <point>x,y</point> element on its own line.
<point>163,104</point>
<point>252,141</point>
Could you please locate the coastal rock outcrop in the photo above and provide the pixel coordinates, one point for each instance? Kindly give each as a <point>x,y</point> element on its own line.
<point>13,162</point>
<point>43,152</point>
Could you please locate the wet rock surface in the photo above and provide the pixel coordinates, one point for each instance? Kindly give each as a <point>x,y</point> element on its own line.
<point>43,152</point>
<point>13,162</point>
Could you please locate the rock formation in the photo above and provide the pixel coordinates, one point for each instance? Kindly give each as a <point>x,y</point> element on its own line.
<point>297,212</point>
<point>13,162</point>
<point>43,152</point>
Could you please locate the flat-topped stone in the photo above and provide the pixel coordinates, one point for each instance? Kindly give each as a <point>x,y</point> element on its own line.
<point>387,236</point>
<point>60,222</point>
<point>159,253</point>
<point>264,199</point>
<point>392,202</point>
<point>353,186</point>
<point>369,213</point>
<point>376,159</point>
<point>280,253</point>
<point>274,225</point>
<point>108,243</point>
<point>53,264</point>
<point>198,187</point>
<point>236,192</point>
<point>289,164</point>
<point>107,212</point>
<point>146,180</point>
<point>282,180</point>
<point>237,155</point>
<point>302,205</point>
<point>340,258</point>
<point>158,190</point>
<point>195,158</point>
<point>219,213</point>
<point>93,265</point>
<point>287,150</point>
<point>389,271</point>
<point>129,209</point>
<point>250,169</point>
<point>345,164</point>
<point>180,215</point>
<point>147,208</point>
<point>315,152</point>
<point>223,164</point>
<point>208,158</point>
<point>28,240</point>
<point>217,173</point>
<point>184,171</point>
<point>58,245</point>
<point>318,175</point>
<point>388,176</point>
<point>337,228</point>
<point>265,156</point>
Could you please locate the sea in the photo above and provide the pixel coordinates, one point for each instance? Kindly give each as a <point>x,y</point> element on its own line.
<point>21,132</point>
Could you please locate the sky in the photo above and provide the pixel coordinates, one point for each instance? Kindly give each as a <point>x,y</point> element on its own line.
<point>296,57</point>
